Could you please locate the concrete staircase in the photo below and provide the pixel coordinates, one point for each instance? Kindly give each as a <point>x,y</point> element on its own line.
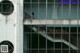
<point>43,33</point>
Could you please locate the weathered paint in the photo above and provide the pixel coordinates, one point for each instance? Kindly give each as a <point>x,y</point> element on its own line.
<point>10,32</point>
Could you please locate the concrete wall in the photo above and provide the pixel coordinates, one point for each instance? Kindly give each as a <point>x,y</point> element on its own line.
<point>12,30</point>
<point>53,13</point>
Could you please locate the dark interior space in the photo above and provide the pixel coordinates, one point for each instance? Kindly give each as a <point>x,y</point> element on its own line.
<point>37,43</point>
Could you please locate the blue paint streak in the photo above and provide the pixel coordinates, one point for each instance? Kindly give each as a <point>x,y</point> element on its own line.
<point>69,2</point>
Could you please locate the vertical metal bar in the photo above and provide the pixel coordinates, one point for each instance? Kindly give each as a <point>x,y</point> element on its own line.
<point>31,41</point>
<point>38,27</point>
<point>27,34</point>
<point>46,8</point>
<point>30,6</point>
<point>53,21</point>
<point>69,10</point>
<point>38,8</point>
<point>77,23</point>
<point>62,9</point>
<point>69,38</point>
<point>69,21</point>
<point>61,40</point>
<point>46,25</point>
<point>38,38</point>
<point>31,3</point>
<point>54,38</point>
<point>46,39</point>
<point>77,38</point>
<point>61,26</point>
<point>31,30</point>
<point>54,7</point>
<point>23,28</point>
<point>28,44</point>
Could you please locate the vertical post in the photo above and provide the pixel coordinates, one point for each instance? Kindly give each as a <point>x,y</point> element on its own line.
<point>19,27</point>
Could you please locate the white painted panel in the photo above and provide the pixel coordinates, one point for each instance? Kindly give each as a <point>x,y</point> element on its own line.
<point>13,29</point>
